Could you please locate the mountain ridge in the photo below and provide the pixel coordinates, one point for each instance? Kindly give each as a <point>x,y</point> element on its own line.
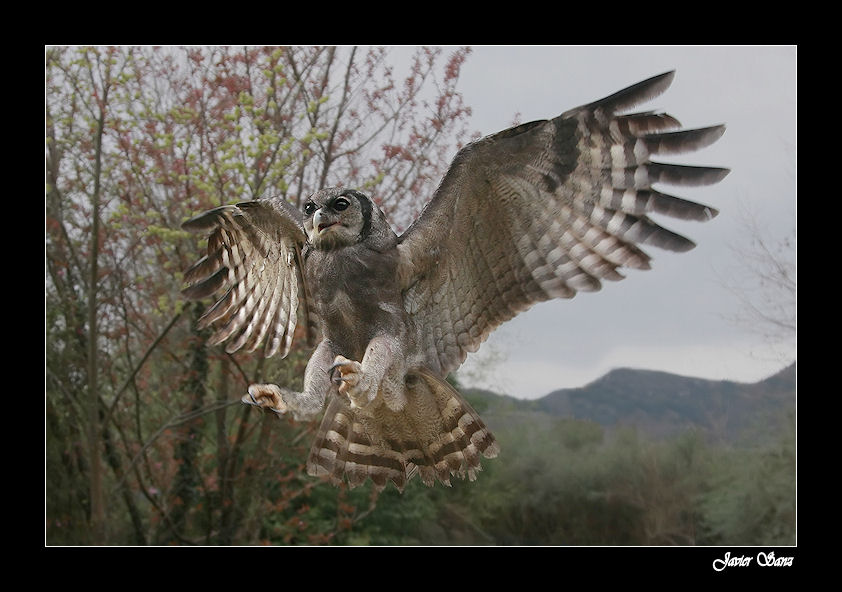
<point>659,403</point>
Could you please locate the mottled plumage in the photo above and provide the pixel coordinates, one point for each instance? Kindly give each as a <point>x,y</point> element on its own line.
<point>539,211</point>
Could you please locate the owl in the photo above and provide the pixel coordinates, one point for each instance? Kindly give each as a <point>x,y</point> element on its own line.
<point>542,210</point>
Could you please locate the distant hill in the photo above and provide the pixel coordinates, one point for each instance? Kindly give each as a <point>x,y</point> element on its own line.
<point>659,403</point>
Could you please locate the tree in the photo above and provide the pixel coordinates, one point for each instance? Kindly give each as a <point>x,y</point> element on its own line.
<point>752,500</point>
<point>74,262</point>
<point>765,285</point>
<point>138,409</point>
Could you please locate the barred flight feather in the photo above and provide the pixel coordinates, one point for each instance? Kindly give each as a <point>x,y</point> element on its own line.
<point>252,260</point>
<point>550,208</point>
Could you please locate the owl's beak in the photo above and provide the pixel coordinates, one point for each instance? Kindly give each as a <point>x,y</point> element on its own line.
<point>320,223</point>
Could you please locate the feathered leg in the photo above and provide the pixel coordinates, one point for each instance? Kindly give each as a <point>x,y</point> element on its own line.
<point>381,371</point>
<point>304,405</point>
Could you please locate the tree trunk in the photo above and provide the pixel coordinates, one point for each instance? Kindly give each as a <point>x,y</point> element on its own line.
<point>188,478</point>
<point>97,518</point>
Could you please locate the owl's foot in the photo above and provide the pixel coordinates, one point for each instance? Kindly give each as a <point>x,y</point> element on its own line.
<point>360,387</point>
<point>267,396</point>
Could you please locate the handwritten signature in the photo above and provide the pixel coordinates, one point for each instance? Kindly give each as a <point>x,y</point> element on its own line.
<point>762,559</point>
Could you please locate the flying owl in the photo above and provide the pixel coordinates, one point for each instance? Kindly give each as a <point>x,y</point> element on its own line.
<point>539,211</point>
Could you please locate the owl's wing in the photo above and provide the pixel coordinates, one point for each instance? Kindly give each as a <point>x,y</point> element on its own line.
<point>545,210</point>
<point>254,261</point>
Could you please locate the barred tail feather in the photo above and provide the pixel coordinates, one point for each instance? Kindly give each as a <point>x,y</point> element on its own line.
<point>436,435</point>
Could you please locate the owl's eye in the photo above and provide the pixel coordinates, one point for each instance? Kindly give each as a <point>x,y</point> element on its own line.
<point>309,208</point>
<point>340,204</point>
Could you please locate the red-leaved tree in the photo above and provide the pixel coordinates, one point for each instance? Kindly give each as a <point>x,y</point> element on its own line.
<point>146,440</point>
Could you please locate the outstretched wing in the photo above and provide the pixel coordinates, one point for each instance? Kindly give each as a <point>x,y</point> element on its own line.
<point>254,260</point>
<point>545,210</point>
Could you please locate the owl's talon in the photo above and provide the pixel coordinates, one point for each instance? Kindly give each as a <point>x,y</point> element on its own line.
<point>265,396</point>
<point>355,384</point>
<point>347,370</point>
<point>332,371</point>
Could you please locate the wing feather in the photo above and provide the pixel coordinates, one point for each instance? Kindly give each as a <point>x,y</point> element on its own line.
<point>545,210</point>
<point>253,260</point>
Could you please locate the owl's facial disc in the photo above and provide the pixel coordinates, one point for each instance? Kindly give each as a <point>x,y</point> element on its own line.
<point>333,221</point>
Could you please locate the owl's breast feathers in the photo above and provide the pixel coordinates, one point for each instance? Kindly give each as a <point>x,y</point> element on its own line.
<point>357,293</point>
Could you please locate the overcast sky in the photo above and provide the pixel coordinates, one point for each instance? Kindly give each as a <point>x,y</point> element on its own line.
<point>673,317</point>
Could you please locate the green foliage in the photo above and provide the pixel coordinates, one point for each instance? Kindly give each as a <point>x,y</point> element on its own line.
<point>574,483</point>
<point>757,485</point>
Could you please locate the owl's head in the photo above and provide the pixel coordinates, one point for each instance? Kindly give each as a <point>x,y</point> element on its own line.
<point>337,217</point>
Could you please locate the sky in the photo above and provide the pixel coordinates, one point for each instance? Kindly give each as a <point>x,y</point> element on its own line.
<point>675,317</point>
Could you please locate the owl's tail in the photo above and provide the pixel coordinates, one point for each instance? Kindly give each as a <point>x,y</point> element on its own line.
<point>437,434</point>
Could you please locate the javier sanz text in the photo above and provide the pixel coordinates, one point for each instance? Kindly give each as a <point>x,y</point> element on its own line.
<point>762,559</point>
